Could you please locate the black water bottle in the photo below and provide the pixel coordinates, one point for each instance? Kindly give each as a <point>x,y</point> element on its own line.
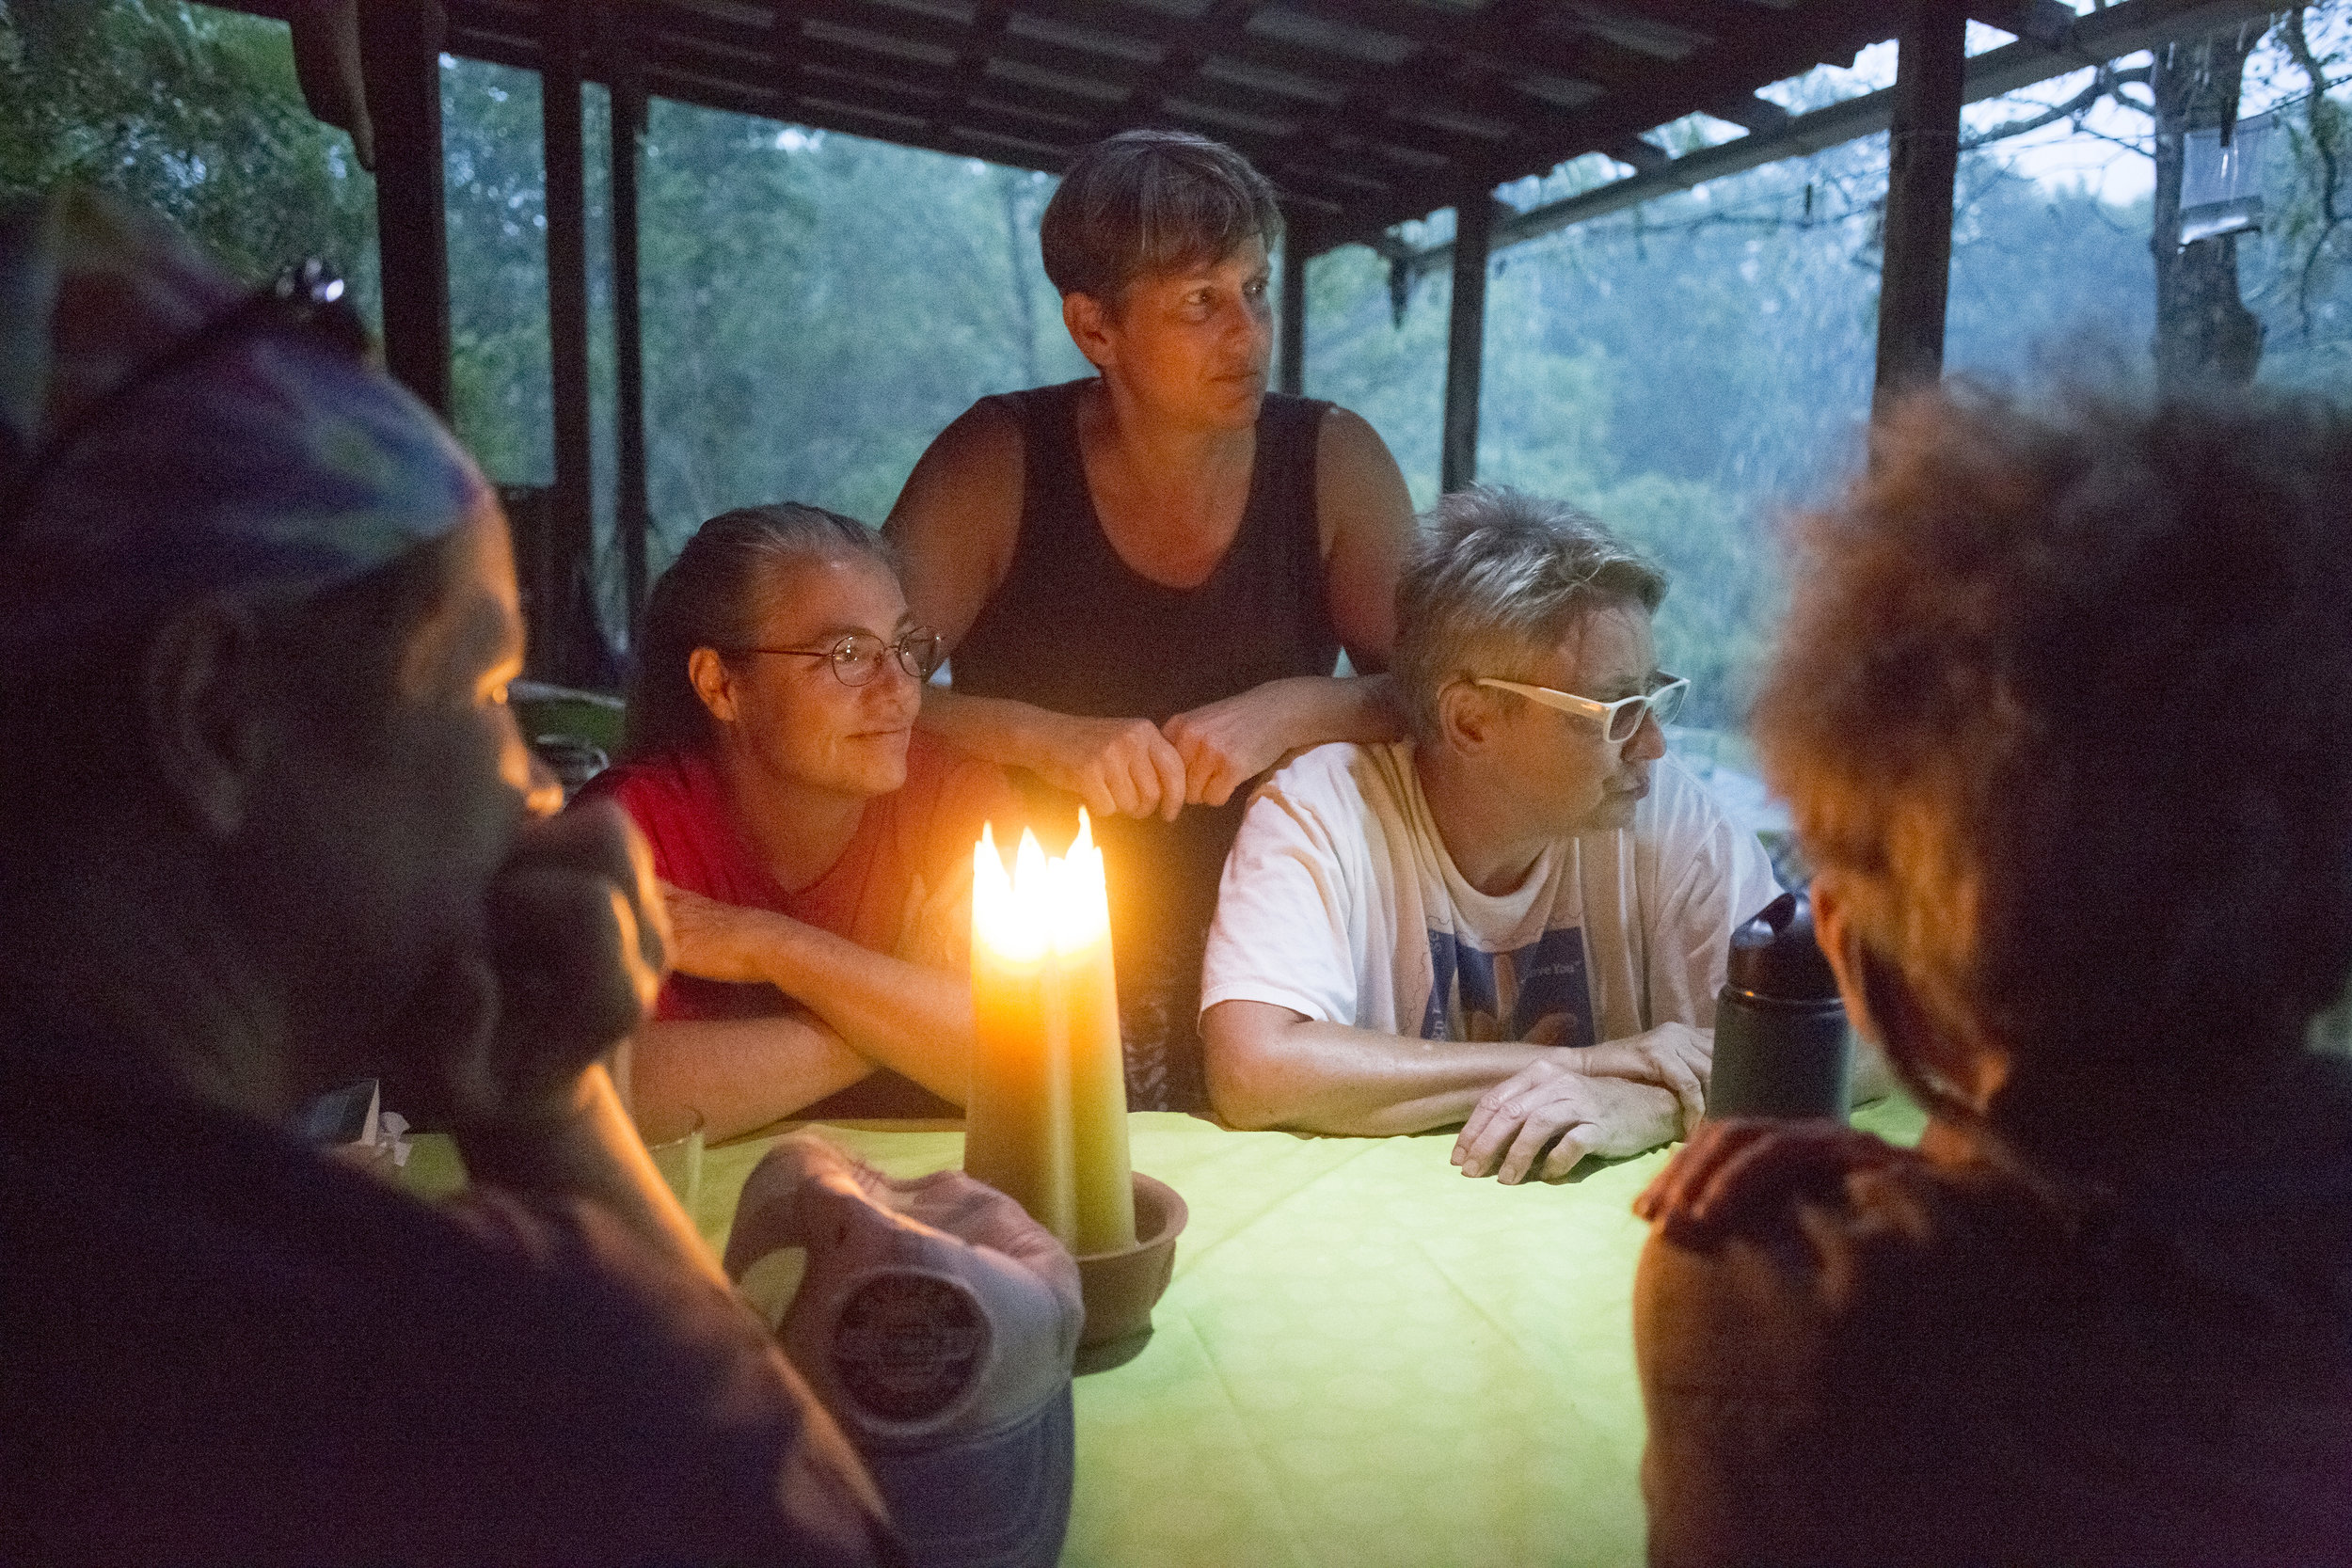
<point>1781,1042</point>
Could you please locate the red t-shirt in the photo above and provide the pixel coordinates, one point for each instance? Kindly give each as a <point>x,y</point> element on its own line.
<point>923,831</point>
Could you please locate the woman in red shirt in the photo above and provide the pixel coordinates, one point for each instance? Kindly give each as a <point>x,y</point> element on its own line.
<point>815,850</point>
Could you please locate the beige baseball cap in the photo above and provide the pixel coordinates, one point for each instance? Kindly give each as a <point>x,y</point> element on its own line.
<point>937,1321</point>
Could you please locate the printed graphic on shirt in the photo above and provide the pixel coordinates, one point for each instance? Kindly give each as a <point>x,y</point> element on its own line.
<point>1539,993</point>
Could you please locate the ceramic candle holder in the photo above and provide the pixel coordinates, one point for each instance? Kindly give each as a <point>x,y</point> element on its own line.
<point>1121,1288</point>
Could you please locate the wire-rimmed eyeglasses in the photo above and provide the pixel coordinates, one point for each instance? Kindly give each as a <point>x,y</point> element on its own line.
<point>1618,720</point>
<point>857,657</point>
<point>307,297</point>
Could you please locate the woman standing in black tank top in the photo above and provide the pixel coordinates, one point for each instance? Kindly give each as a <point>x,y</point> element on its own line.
<point>1145,578</point>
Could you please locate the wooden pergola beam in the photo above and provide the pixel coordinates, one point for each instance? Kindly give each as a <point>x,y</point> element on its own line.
<point>1465,339</point>
<point>400,51</point>
<point>1923,162</point>
<point>557,621</point>
<point>2123,28</point>
<point>1668,95</point>
<point>633,510</point>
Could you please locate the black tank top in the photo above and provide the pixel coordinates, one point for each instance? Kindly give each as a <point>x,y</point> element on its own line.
<point>1074,629</point>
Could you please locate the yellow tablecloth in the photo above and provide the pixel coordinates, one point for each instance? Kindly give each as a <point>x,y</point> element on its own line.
<point>1365,1359</point>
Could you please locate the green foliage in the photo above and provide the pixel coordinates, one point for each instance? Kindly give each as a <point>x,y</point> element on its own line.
<point>1391,373</point>
<point>817,307</point>
<point>192,111</point>
<point>2299,294</point>
<point>1694,371</point>
<point>495,185</point>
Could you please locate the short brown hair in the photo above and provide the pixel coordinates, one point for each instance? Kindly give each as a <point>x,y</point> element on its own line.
<point>2069,692</point>
<point>1143,203</point>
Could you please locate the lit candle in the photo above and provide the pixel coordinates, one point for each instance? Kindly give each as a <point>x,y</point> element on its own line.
<point>1082,999</point>
<point>1017,1129</point>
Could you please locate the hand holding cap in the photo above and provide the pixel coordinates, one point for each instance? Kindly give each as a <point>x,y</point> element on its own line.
<point>937,1321</point>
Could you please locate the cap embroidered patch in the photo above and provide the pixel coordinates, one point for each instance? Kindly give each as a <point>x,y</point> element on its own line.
<point>908,1347</point>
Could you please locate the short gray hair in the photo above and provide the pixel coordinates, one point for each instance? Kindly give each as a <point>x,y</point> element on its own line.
<point>710,597</point>
<point>1496,573</point>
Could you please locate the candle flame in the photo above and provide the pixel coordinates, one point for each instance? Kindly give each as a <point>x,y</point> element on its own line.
<point>1004,918</point>
<point>1081,908</point>
<point>1056,903</point>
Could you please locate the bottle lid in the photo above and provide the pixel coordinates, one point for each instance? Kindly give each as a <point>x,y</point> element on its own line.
<point>1775,955</point>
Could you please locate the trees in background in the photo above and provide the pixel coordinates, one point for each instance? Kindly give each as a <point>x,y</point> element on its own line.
<point>818,306</point>
<point>1696,368</point>
<point>2204,332</point>
<point>190,110</point>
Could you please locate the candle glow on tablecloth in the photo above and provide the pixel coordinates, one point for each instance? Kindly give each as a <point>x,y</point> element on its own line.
<point>1047,1118</point>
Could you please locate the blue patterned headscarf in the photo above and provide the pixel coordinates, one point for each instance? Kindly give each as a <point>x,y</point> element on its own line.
<point>270,464</point>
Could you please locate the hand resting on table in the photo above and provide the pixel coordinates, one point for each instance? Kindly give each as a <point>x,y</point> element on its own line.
<point>1544,1119</point>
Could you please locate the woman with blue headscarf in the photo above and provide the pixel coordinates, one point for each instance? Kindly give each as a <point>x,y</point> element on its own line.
<point>270,829</point>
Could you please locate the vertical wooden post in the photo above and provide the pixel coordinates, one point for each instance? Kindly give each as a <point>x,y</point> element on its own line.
<point>1465,338</point>
<point>632,511</point>
<point>566,616</point>
<point>1293,367</point>
<point>400,52</point>
<point>1923,160</point>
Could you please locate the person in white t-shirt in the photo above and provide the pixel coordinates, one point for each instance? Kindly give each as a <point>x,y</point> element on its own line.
<point>1518,918</point>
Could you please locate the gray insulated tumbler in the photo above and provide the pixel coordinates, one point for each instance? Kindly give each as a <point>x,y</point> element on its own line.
<point>1781,1045</point>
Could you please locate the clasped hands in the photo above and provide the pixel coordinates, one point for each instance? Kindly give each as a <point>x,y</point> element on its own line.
<point>1614,1099</point>
<point>1134,768</point>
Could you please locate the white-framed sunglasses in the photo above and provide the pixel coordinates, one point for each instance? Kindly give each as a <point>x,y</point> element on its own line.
<point>1619,720</point>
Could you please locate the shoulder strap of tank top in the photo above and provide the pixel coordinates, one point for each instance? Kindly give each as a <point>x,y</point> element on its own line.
<point>1288,522</point>
<point>1050,465</point>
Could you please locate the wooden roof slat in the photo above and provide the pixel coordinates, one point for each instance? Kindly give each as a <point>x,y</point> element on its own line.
<point>906,74</point>
<point>1506,36</point>
<point>1641,33</point>
<point>1262,123</point>
<point>965,42</point>
<point>1202,38</point>
<point>972,62</point>
<point>1282,84</point>
<point>1312,27</point>
<point>1027,22</point>
<point>1792,43</point>
<point>1709,21</point>
<point>1009,69</point>
<point>1364,112</point>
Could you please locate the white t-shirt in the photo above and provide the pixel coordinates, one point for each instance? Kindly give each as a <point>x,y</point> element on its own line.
<point>1340,902</point>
